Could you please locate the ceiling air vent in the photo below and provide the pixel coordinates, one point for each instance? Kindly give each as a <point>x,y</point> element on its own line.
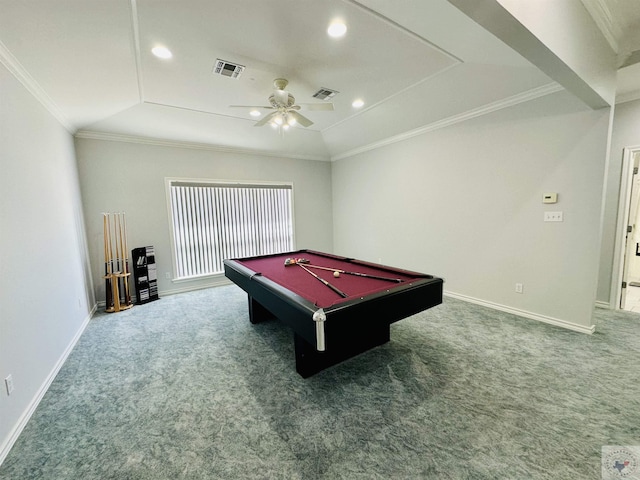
<point>325,93</point>
<point>227,69</point>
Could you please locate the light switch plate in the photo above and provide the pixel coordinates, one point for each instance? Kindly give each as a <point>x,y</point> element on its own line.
<point>553,216</point>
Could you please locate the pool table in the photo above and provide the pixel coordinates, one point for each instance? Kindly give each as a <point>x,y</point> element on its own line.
<point>333,317</point>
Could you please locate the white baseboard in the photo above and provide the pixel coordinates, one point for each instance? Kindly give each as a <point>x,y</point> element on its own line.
<point>8,443</point>
<point>605,305</point>
<point>214,283</point>
<point>523,313</point>
<point>218,282</point>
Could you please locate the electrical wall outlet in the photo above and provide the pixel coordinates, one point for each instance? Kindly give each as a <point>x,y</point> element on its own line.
<point>167,275</point>
<point>519,288</point>
<point>8,382</point>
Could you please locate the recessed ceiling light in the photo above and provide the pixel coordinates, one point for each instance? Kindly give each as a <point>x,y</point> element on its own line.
<point>254,113</point>
<point>337,29</point>
<point>162,52</point>
<point>357,103</point>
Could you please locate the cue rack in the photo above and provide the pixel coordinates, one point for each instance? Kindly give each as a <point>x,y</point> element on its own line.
<point>116,263</point>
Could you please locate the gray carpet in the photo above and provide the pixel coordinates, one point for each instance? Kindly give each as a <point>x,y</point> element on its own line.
<point>187,388</point>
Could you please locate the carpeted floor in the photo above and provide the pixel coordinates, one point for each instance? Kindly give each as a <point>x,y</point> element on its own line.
<point>187,388</point>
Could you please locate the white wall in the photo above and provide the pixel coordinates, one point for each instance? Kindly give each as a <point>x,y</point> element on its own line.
<point>45,293</point>
<point>465,203</point>
<point>626,133</point>
<point>130,177</point>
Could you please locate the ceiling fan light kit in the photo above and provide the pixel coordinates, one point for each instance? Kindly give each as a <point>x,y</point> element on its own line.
<point>285,114</point>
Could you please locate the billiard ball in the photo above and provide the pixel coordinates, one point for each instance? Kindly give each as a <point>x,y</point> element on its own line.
<point>336,274</point>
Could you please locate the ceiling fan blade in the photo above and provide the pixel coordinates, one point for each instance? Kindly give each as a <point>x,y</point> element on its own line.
<point>326,107</point>
<point>250,106</point>
<point>266,119</point>
<point>302,120</point>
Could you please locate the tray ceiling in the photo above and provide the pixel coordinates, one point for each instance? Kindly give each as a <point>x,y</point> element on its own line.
<point>413,63</point>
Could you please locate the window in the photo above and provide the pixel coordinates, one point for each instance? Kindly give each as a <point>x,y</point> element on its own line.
<point>217,220</point>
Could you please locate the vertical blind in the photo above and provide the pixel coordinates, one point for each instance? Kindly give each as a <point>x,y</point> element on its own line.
<point>214,222</point>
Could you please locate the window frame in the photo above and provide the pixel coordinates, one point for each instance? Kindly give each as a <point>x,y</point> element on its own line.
<point>205,182</point>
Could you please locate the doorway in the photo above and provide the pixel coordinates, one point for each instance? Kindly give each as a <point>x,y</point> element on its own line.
<point>628,297</point>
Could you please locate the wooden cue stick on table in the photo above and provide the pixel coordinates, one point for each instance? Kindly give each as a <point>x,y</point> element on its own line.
<point>332,287</point>
<point>389,279</point>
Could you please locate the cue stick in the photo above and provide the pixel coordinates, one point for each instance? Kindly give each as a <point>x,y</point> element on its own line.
<point>107,271</point>
<point>116,224</point>
<point>112,271</point>
<point>290,261</point>
<point>125,261</point>
<point>126,258</point>
<point>113,250</point>
<point>335,289</point>
<point>388,279</point>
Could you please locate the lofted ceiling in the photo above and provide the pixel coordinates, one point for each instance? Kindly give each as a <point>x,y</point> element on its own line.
<point>414,63</point>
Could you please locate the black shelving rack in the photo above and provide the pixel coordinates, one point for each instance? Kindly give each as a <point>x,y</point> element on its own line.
<point>145,274</point>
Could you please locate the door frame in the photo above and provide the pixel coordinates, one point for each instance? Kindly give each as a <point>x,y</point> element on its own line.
<point>624,204</point>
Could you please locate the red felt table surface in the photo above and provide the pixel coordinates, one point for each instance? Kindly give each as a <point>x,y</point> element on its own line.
<point>296,279</point>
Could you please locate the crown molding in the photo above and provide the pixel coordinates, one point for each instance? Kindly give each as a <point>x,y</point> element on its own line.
<point>484,110</point>
<point>386,99</point>
<point>116,137</point>
<point>462,117</point>
<point>23,76</point>
<point>603,17</point>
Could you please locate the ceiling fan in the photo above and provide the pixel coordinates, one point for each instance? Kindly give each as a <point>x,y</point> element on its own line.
<point>285,112</point>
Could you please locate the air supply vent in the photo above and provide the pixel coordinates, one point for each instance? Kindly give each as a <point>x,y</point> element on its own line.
<point>227,69</point>
<point>325,93</point>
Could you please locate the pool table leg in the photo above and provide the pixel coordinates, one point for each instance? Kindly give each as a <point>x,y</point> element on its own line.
<point>310,361</point>
<point>257,313</point>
